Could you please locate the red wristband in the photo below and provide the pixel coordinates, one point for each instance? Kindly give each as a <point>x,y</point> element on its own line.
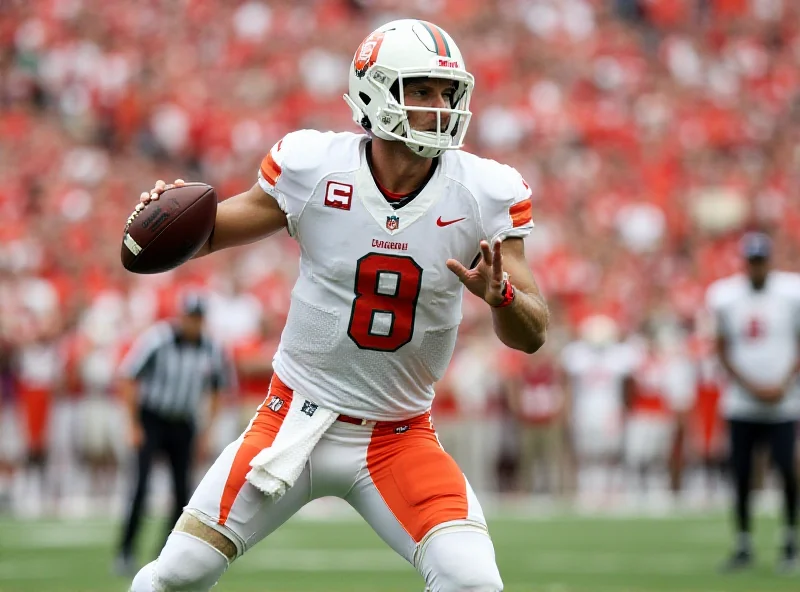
<point>508,295</point>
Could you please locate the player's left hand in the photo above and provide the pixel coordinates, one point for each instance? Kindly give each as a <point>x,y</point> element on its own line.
<point>770,394</point>
<point>486,279</point>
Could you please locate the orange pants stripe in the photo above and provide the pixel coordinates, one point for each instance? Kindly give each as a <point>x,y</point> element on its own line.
<point>35,404</point>
<point>420,483</point>
<point>259,435</point>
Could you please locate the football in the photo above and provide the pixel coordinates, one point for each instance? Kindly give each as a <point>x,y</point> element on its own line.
<point>170,230</point>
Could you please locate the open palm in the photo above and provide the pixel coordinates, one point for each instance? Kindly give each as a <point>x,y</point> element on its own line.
<point>485,280</point>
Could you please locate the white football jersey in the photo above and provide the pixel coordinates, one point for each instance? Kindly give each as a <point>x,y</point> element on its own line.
<point>375,311</point>
<point>597,376</point>
<point>762,328</point>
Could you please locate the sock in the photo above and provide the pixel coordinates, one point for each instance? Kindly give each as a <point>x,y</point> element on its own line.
<point>743,542</point>
<point>790,538</point>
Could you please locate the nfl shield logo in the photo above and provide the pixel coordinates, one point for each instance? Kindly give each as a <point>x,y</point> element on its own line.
<point>392,222</point>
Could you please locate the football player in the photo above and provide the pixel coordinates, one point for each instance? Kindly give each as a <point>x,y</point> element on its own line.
<point>597,373</point>
<point>391,223</point>
<point>757,318</point>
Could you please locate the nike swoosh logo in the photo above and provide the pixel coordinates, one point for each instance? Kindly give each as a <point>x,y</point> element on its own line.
<point>440,222</point>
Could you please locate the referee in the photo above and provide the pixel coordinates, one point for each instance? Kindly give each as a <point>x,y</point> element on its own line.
<point>758,334</point>
<point>165,376</point>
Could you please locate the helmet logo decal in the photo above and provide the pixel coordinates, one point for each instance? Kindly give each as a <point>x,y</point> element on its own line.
<point>367,53</point>
<point>439,40</point>
<point>443,63</point>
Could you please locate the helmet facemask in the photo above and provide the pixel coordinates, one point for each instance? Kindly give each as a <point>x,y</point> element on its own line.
<point>391,121</point>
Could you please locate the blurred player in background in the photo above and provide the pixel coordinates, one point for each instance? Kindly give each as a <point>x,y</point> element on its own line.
<point>11,447</point>
<point>166,377</point>
<point>598,378</point>
<point>92,358</point>
<point>537,401</point>
<point>707,433</point>
<point>475,383</point>
<point>390,223</point>
<point>758,330</point>
<point>252,357</point>
<point>41,379</point>
<point>663,394</point>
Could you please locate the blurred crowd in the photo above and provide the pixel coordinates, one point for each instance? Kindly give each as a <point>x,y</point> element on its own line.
<point>652,132</point>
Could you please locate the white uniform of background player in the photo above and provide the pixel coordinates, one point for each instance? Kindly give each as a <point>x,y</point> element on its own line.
<point>372,325</point>
<point>665,387</point>
<point>598,370</point>
<point>762,327</point>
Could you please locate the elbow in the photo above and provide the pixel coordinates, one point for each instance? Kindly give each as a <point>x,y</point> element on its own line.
<point>534,344</point>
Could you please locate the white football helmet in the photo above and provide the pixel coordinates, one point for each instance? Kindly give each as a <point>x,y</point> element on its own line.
<point>395,52</point>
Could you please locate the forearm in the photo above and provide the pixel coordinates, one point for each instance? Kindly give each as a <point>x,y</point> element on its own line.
<point>628,392</point>
<point>256,367</point>
<point>206,248</point>
<point>228,231</point>
<point>522,324</point>
<point>732,372</point>
<point>514,397</point>
<point>213,408</point>
<point>244,219</point>
<point>232,227</point>
<point>725,361</point>
<point>128,393</point>
<point>792,376</point>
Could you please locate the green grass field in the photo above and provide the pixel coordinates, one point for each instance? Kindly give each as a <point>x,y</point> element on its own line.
<point>564,554</point>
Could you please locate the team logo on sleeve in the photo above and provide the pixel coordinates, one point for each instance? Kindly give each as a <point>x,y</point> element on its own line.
<point>392,222</point>
<point>275,404</point>
<point>367,53</point>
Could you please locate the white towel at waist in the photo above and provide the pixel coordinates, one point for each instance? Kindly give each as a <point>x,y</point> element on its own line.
<point>275,469</point>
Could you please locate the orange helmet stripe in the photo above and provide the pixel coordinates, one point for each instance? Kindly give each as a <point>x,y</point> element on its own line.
<point>442,47</point>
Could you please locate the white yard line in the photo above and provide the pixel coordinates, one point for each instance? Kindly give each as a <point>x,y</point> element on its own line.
<point>662,564</point>
<point>56,538</point>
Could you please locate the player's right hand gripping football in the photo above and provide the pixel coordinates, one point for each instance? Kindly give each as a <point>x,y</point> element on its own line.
<point>160,187</point>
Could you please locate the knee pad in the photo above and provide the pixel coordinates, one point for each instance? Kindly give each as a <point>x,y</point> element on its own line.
<point>143,582</point>
<point>460,560</point>
<point>187,564</point>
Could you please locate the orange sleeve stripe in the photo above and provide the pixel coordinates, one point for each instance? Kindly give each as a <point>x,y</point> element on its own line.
<point>270,169</point>
<point>521,213</point>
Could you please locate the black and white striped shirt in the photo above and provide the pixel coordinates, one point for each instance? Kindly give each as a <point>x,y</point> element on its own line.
<point>173,373</point>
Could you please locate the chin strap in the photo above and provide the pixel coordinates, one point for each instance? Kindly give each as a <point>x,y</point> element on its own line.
<point>424,151</point>
<point>427,151</point>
